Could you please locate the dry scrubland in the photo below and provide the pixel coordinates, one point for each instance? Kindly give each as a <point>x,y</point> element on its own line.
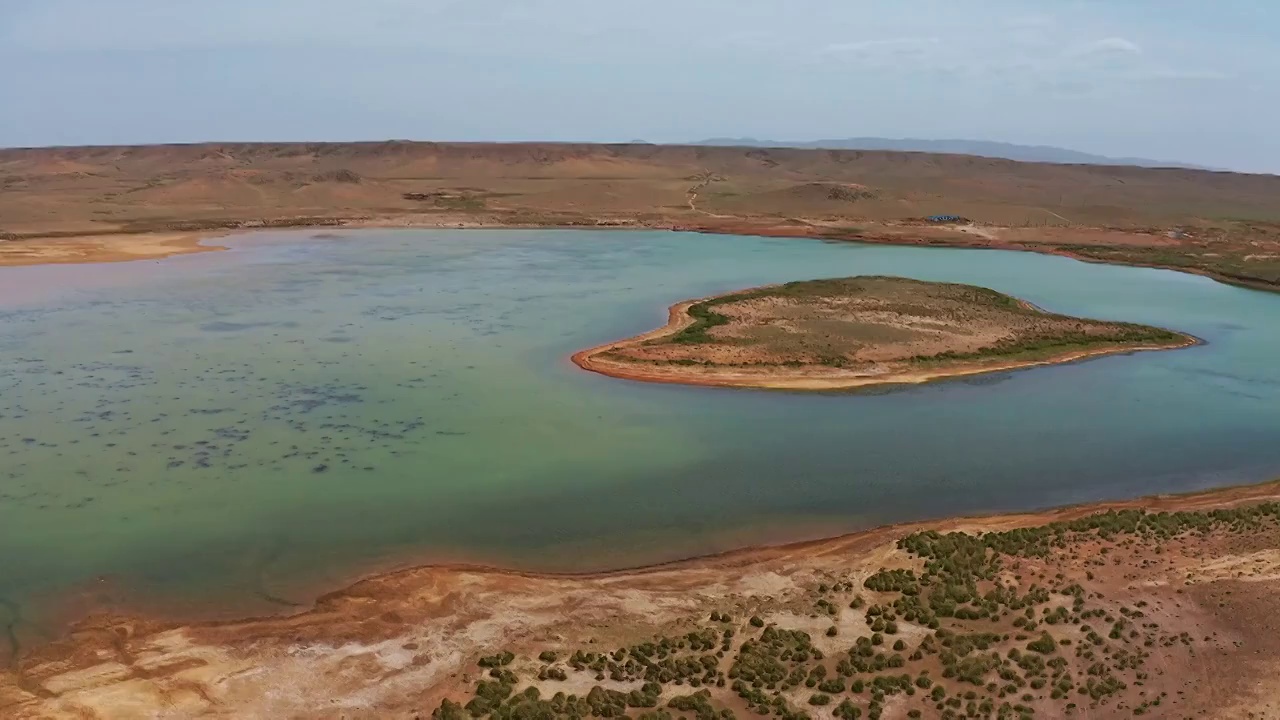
<point>1065,614</point>
<point>57,204</point>
<point>1162,608</point>
<point>848,332</point>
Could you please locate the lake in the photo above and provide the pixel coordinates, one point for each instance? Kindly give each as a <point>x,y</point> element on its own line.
<point>232,432</point>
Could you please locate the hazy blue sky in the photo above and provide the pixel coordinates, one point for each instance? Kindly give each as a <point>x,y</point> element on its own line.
<point>1189,80</point>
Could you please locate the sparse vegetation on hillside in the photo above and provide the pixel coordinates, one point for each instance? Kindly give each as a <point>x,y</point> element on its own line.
<point>1224,224</point>
<point>975,638</point>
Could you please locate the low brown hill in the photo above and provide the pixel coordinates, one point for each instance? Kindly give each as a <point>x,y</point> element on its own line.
<point>1227,224</point>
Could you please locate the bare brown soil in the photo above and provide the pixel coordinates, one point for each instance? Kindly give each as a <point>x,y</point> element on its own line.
<point>860,331</point>
<point>104,248</point>
<point>1226,225</point>
<point>396,645</point>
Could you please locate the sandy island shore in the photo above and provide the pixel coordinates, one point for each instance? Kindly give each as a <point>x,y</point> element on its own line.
<point>811,378</point>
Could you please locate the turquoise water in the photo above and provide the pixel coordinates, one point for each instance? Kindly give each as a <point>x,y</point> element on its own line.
<point>239,429</point>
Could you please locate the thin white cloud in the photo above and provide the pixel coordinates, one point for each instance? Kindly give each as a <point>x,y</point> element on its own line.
<point>1109,46</point>
<point>884,45</point>
<point>1029,22</point>
<point>902,54</point>
<point>1170,74</point>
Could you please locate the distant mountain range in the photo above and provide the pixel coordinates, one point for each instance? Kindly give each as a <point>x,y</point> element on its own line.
<point>982,148</point>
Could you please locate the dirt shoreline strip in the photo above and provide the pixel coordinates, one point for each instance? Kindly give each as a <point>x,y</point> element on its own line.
<point>97,248</point>
<point>125,246</point>
<point>393,644</point>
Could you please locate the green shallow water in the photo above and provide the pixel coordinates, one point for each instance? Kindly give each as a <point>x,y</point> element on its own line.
<point>232,430</point>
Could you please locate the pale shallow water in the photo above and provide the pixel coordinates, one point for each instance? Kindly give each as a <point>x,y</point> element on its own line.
<point>226,428</point>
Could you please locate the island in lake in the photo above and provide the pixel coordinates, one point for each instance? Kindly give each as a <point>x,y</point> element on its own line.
<point>859,331</point>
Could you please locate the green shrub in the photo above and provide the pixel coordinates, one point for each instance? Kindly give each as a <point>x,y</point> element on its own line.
<point>1044,645</point>
<point>499,660</point>
<point>448,710</point>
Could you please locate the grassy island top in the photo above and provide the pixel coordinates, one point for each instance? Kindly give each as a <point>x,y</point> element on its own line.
<point>856,330</point>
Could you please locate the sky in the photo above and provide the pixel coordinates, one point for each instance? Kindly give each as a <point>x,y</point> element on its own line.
<point>1180,80</point>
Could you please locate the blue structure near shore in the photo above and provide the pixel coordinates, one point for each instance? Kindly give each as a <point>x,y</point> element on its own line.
<point>944,218</point>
